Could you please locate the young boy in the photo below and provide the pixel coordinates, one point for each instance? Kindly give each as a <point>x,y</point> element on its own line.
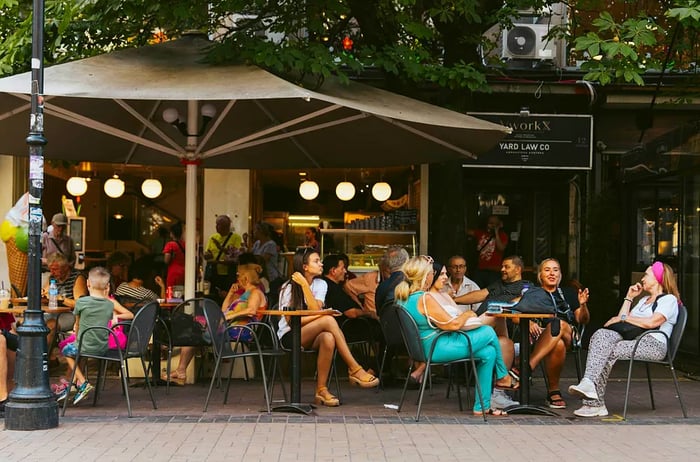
<point>91,310</point>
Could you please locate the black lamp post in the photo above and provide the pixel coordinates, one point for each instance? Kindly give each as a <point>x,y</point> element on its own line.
<point>31,404</point>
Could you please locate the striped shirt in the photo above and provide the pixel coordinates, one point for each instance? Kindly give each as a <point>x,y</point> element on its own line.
<point>65,288</point>
<point>137,293</point>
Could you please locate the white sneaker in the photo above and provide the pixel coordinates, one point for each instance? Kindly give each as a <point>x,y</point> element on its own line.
<point>500,400</point>
<point>591,411</point>
<point>585,389</point>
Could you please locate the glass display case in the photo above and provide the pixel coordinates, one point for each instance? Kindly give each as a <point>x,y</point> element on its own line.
<point>364,247</point>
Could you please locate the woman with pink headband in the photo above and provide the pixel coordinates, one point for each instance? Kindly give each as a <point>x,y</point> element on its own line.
<point>657,310</point>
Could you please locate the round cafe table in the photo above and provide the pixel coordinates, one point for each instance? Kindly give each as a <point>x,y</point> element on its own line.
<point>524,322</point>
<point>295,405</point>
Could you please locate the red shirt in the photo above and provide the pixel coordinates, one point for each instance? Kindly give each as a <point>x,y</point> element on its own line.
<point>176,267</point>
<point>490,258</point>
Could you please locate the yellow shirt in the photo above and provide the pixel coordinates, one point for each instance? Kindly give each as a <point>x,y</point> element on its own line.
<point>213,246</point>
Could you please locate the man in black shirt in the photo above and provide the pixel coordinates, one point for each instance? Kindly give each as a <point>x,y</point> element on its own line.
<point>393,259</point>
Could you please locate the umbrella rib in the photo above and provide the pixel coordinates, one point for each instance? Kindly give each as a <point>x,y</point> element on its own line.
<point>301,131</point>
<point>296,142</point>
<point>213,128</point>
<point>15,111</point>
<point>224,148</point>
<point>432,138</point>
<point>147,123</point>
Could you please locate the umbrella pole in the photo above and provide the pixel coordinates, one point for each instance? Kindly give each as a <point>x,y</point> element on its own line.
<point>32,405</point>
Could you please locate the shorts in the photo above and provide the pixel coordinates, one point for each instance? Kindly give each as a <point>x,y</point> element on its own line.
<point>11,340</point>
<point>286,341</point>
<point>70,350</point>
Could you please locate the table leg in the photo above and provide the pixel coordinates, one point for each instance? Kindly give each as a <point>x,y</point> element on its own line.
<point>295,405</point>
<point>525,407</point>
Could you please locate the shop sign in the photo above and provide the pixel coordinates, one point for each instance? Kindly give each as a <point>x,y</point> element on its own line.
<point>541,141</point>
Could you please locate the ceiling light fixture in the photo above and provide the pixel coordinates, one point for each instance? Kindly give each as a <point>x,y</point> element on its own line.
<point>345,190</point>
<point>151,188</point>
<point>308,190</point>
<point>381,191</point>
<point>114,187</point>
<point>76,186</point>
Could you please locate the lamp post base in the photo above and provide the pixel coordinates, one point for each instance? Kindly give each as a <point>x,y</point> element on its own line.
<point>31,415</point>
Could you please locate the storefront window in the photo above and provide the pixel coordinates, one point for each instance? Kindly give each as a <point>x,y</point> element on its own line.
<point>690,269</point>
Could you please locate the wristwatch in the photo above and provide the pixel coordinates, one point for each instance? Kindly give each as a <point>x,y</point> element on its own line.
<point>623,318</point>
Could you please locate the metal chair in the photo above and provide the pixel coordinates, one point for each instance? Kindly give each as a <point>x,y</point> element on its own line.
<point>184,334</point>
<point>672,348</point>
<point>414,346</point>
<point>138,336</point>
<point>393,340</point>
<point>221,344</point>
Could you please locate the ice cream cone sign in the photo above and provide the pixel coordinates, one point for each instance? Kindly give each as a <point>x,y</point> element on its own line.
<point>14,232</point>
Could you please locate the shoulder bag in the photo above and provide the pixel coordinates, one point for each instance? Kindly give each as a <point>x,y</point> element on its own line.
<point>210,271</point>
<point>630,331</point>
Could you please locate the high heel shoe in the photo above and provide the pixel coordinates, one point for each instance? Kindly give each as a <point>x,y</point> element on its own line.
<point>323,396</point>
<point>367,381</point>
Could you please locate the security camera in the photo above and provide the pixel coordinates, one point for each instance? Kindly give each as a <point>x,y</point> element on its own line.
<point>600,145</point>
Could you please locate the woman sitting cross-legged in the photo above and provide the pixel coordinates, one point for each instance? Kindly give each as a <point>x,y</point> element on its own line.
<point>244,301</point>
<point>306,290</point>
<point>657,310</point>
<point>431,318</point>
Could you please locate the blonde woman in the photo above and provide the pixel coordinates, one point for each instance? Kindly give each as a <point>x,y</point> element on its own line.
<point>244,301</point>
<point>657,310</point>
<point>432,318</point>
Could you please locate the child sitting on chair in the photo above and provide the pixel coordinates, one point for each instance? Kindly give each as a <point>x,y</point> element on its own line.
<point>95,309</point>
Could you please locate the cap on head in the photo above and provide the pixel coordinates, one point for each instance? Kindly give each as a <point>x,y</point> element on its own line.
<point>59,219</point>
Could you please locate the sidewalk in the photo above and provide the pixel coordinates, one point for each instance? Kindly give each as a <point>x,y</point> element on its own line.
<point>362,428</point>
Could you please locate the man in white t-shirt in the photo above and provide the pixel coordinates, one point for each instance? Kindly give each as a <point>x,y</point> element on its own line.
<point>459,283</point>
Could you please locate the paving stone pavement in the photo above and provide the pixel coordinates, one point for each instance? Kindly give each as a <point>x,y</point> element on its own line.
<point>362,428</point>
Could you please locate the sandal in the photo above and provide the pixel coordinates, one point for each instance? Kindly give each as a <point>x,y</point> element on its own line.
<point>515,373</point>
<point>175,378</point>
<point>323,396</point>
<point>365,381</point>
<point>514,384</point>
<point>554,400</point>
<point>492,412</point>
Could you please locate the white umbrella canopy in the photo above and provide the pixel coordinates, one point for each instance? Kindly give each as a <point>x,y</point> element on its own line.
<point>108,109</point>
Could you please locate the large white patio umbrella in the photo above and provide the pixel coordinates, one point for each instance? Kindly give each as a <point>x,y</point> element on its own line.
<point>108,109</point>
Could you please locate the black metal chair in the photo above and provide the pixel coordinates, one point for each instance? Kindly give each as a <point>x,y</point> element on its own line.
<point>221,345</point>
<point>139,333</point>
<point>269,347</point>
<point>393,340</point>
<point>414,346</point>
<point>179,328</point>
<point>672,348</point>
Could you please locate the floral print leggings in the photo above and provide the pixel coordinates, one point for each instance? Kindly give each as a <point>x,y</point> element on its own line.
<point>606,348</point>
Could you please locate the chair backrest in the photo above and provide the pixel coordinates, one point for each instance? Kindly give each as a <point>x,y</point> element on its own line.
<point>217,328</point>
<point>141,329</point>
<point>389,323</point>
<point>411,335</point>
<point>678,329</point>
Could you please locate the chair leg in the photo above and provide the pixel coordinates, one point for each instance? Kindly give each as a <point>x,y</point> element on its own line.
<point>678,388</point>
<point>627,390</point>
<point>405,386</point>
<point>267,394</point>
<point>211,384</point>
<point>459,393</point>
<point>426,375</point>
<point>651,390</point>
<point>122,367</point>
<point>381,371</point>
<point>100,381</point>
<point>577,359</point>
<point>148,385</point>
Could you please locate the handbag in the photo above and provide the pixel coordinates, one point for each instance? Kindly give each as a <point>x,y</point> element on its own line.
<point>536,301</point>
<point>627,330</point>
<point>630,331</point>
<point>120,341</point>
<point>185,330</point>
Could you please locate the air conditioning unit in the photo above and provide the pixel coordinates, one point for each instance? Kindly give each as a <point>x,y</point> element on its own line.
<point>527,41</point>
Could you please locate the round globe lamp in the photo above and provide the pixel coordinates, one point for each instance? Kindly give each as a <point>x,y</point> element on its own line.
<point>381,191</point>
<point>308,190</point>
<point>151,188</point>
<point>114,187</point>
<point>345,190</point>
<point>76,186</point>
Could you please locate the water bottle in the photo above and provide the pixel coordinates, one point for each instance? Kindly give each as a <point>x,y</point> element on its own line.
<point>53,295</point>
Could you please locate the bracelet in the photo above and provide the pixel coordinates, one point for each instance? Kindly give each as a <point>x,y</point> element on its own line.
<point>628,300</point>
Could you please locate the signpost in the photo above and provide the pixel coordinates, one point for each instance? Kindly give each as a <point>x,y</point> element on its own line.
<point>539,141</point>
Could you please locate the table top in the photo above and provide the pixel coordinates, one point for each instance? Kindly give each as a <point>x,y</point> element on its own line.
<point>521,315</point>
<point>301,312</point>
<point>45,308</point>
